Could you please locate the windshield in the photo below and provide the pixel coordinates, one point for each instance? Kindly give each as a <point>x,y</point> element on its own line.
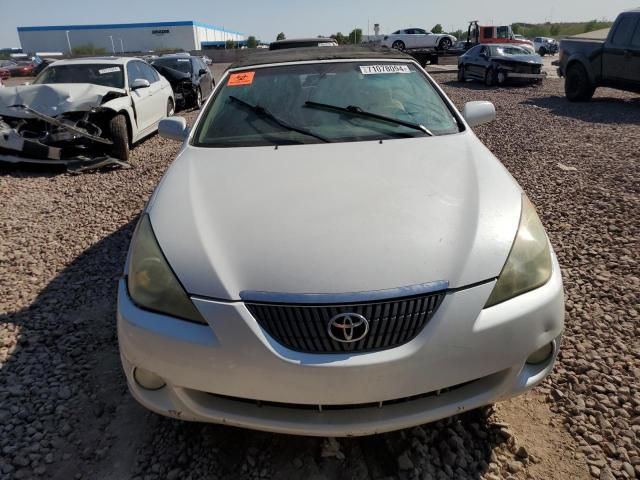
<point>105,74</point>
<point>181,64</point>
<point>335,102</point>
<point>506,51</point>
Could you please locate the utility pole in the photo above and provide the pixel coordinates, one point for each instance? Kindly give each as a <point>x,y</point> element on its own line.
<point>113,47</point>
<point>121,46</point>
<point>68,42</point>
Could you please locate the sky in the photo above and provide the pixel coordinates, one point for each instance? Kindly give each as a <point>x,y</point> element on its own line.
<point>301,18</point>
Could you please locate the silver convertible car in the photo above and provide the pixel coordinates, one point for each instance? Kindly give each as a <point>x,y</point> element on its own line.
<point>334,252</point>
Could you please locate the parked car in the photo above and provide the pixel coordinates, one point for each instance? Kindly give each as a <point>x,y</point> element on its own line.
<point>612,62</point>
<point>302,43</point>
<point>545,46</point>
<point>495,63</point>
<point>418,38</point>
<point>189,76</point>
<point>83,113</point>
<point>334,252</point>
<point>21,69</point>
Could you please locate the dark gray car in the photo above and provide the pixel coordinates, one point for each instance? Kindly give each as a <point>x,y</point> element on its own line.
<point>189,77</point>
<point>500,63</point>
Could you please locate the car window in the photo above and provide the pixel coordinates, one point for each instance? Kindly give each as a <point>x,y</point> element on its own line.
<point>148,72</point>
<point>624,30</point>
<point>392,89</point>
<point>180,64</point>
<point>503,32</point>
<point>537,40</point>
<point>133,72</point>
<point>420,31</point>
<point>105,74</point>
<point>474,51</point>
<point>488,32</point>
<point>635,40</point>
<point>503,51</point>
<point>484,50</point>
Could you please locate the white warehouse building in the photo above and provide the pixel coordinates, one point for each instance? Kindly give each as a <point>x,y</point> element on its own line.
<point>126,37</point>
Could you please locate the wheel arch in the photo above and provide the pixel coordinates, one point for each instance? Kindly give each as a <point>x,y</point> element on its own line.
<point>581,60</point>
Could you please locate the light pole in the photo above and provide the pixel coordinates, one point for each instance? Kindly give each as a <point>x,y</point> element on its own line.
<point>68,42</point>
<point>113,47</point>
<point>121,46</point>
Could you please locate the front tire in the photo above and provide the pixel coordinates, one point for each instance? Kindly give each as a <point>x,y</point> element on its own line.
<point>119,137</point>
<point>461,74</point>
<point>445,44</point>
<point>490,77</point>
<point>577,86</point>
<point>542,52</point>
<point>398,45</point>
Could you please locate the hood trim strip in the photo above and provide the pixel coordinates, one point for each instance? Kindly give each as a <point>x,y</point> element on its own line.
<point>342,298</point>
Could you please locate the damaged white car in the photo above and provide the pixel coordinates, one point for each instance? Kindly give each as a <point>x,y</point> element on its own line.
<point>83,113</point>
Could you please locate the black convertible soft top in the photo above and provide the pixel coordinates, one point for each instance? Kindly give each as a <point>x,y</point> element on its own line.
<point>319,53</point>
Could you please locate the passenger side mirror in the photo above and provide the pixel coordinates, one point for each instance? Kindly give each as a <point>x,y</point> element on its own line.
<point>173,128</point>
<point>140,83</point>
<point>479,113</point>
<point>202,72</point>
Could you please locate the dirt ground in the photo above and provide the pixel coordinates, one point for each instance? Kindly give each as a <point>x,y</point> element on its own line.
<point>64,407</point>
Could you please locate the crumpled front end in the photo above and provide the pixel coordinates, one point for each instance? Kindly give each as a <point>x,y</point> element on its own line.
<point>52,124</point>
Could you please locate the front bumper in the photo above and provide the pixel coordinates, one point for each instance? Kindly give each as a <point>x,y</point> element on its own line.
<point>232,372</point>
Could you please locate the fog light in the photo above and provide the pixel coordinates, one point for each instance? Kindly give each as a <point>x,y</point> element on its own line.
<point>541,355</point>
<point>148,380</point>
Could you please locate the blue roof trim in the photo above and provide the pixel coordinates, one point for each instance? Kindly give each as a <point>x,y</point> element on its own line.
<point>110,26</point>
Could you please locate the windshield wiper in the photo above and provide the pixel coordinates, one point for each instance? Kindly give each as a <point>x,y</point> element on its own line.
<point>355,110</point>
<point>267,114</point>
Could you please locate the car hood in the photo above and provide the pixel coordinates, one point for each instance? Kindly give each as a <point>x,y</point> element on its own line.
<point>335,218</point>
<point>530,59</point>
<point>54,99</point>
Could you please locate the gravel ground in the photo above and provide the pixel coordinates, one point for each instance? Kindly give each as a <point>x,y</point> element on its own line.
<point>65,412</point>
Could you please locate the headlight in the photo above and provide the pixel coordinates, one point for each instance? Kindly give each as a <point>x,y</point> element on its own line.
<point>529,263</point>
<point>151,282</point>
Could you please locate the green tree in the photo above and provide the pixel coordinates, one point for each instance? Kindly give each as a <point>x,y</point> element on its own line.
<point>437,28</point>
<point>281,36</point>
<point>340,38</point>
<point>88,49</point>
<point>229,44</point>
<point>355,36</point>
<point>252,42</point>
<point>554,30</point>
<point>591,26</point>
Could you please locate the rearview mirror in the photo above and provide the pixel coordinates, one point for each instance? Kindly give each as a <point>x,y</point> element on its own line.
<point>140,83</point>
<point>174,128</point>
<point>479,113</point>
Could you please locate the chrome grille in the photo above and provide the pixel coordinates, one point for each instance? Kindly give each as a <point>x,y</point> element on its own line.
<point>304,328</point>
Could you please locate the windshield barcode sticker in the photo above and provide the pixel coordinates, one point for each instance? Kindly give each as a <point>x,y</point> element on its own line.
<point>183,59</point>
<point>109,70</point>
<point>378,69</point>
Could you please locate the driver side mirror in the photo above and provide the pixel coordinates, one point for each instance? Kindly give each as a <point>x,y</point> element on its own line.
<point>202,72</point>
<point>140,83</point>
<point>479,113</point>
<point>173,128</point>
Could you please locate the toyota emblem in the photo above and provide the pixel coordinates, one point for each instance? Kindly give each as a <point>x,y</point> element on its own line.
<point>348,327</point>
